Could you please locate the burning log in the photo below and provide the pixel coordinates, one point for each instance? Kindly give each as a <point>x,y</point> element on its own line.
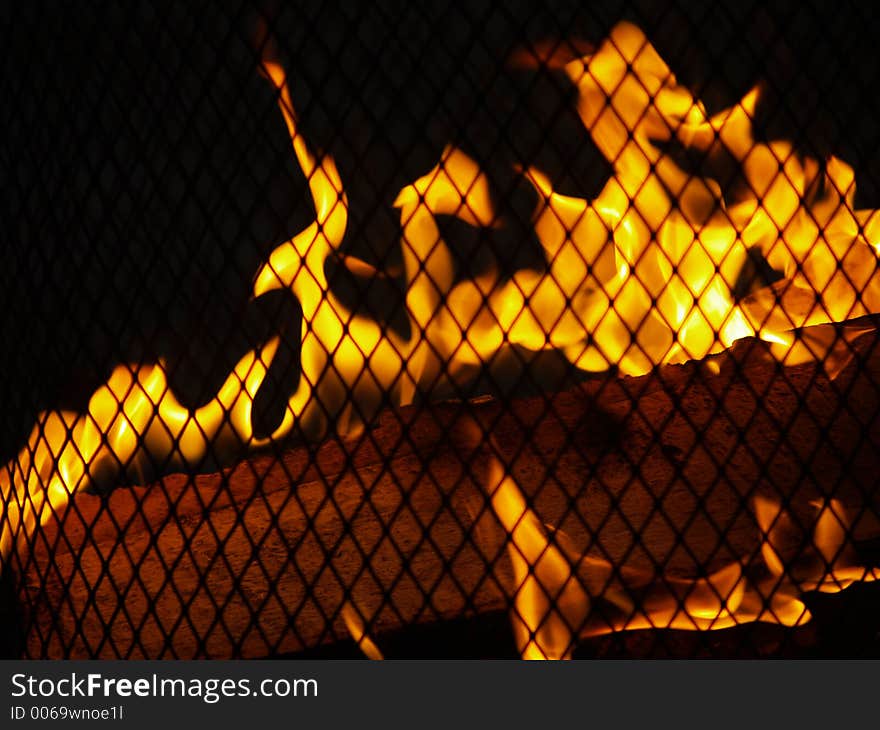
<point>637,473</point>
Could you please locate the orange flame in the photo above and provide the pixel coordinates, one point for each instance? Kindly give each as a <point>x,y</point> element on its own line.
<point>640,276</point>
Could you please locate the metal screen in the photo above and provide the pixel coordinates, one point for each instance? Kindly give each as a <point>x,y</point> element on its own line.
<point>337,330</point>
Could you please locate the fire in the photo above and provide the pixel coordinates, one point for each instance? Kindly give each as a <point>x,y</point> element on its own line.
<point>680,241</point>
<point>555,586</point>
<point>133,423</point>
<point>640,276</point>
<point>354,622</point>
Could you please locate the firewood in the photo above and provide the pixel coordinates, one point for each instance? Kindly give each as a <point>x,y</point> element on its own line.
<point>653,472</point>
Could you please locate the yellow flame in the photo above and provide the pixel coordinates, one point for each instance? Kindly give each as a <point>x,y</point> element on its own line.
<point>549,602</point>
<point>355,625</point>
<point>554,588</point>
<point>346,359</point>
<point>132,422</point>
<point>829,562</point>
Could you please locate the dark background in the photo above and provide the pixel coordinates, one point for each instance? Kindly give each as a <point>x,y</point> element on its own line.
<point>147,172</point>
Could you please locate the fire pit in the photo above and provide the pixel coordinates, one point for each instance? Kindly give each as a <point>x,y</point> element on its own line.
<point>518,340</point>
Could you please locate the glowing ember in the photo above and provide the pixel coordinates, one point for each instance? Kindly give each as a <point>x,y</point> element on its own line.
<point>642,275</point>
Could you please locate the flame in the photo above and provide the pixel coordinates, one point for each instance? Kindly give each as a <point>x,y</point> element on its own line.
<point>354,622</point>
<point>549,602</point>
<point>828,563</point>
<point>642,275</point>
<point>132,424</point>
<point>347,361</point>
<point>555,587</point>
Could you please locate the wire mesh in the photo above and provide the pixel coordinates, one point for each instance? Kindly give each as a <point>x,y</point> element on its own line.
<point>391,329</point>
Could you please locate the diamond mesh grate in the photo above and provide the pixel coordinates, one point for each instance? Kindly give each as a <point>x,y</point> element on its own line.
<point>151,184</point>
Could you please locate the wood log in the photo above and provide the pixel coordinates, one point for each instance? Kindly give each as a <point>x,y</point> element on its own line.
<point>652,472</point>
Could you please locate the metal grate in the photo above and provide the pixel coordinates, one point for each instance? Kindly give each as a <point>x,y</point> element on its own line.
<point>151,183</point>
